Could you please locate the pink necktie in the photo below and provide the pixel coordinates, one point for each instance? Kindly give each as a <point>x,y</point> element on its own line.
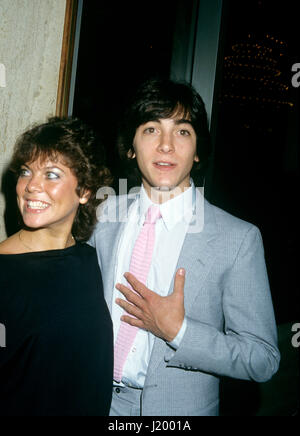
<point>139,266</point>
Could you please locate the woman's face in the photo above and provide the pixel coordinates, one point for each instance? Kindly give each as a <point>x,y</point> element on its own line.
<point>47,196</point>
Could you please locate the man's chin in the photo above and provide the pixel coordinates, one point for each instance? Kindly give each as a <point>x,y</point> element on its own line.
<point>164,188</point>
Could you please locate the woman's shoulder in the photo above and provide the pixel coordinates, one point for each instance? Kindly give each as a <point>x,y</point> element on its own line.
<point>11,245</point>
<point>88,255</point>
<point>86,249</point>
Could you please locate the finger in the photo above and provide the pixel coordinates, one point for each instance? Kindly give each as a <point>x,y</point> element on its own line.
<point>130,296</point>
<point>129,308</point>
<point>133,321</point>
<point>179,282</point>
<point>137,285</point>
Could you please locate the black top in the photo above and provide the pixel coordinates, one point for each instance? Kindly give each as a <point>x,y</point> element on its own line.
<point>58,359</point>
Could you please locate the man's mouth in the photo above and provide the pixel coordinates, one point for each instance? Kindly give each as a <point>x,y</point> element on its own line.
<point>164,165</point>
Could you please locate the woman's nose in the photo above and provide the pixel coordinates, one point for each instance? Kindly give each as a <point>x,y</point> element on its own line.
<point>35,184</point>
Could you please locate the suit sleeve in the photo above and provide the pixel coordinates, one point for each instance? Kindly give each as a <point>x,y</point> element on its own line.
<point>247,346</point>
<point>92,240</point>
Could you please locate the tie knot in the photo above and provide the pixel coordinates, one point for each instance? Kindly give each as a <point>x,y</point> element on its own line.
<point>153,214</point>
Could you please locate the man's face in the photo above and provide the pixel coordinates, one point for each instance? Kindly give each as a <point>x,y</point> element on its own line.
<point>165,150</point>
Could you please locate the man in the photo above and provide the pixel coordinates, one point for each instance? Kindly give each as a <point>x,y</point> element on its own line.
<point>195,303</point>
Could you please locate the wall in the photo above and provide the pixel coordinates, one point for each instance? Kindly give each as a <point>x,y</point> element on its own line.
<point>31,33</point>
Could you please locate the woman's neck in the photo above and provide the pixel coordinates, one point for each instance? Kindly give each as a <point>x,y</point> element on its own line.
<point>45,239</point>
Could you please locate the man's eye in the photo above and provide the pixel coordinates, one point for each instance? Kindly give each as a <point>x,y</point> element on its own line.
<point>149,130</point>
<point>184,132</point>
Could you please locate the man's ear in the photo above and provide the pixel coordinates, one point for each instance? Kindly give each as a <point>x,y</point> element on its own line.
<point>196,159</point>
<point>131,154</point>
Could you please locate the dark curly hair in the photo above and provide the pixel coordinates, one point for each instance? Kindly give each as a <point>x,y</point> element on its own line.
<point>82,152</point>
<point>160,99</point>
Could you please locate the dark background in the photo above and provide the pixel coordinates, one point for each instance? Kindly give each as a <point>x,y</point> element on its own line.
<point>255,174</point>
<point>121,44</point>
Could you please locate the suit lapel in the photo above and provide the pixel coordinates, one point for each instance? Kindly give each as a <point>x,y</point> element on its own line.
<point>112,232</point>
<point>110,263</point>
<point>197,257</point>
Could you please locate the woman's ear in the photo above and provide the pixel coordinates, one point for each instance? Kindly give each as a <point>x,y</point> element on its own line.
<point>131,154</point>
<point>85,196</point>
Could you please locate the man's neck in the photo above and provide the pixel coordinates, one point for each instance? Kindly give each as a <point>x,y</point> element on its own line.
<point>162,195</point>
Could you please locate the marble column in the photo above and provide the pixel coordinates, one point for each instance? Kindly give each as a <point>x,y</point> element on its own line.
<point>31,33</point>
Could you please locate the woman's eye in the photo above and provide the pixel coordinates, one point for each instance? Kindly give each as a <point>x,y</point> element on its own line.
<point>24,173</point>
<point>52,176</point>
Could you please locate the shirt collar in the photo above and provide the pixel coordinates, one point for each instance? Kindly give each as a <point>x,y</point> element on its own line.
<point>177,209</point>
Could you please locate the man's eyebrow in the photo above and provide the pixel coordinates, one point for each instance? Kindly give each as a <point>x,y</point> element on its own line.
<point>182,121</point>
<point>153,120</point>
<point>177,122</point>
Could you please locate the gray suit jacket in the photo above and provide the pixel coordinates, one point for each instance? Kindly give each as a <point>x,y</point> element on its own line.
<point>231,329</point>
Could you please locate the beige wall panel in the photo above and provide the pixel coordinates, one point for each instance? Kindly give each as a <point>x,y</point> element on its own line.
<point>31,33</point>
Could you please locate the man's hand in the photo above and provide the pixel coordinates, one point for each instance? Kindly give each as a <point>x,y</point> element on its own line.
<point>162,316</point>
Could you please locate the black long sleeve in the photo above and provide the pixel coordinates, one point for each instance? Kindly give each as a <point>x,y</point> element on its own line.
<point>58,359</point>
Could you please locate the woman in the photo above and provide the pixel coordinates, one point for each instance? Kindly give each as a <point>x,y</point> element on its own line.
<point>59,346</point>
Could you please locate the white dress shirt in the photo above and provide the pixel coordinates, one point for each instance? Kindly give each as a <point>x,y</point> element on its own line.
<point>170,232</point>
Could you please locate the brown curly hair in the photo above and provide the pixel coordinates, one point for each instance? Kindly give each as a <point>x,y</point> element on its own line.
<point>82,152</point>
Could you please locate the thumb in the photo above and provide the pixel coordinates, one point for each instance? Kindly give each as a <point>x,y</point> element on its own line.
<point>179,283</point>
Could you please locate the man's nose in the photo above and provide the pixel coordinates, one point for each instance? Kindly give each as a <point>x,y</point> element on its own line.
<point>166,144</point>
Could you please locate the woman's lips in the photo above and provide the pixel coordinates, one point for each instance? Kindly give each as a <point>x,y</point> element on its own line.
<point>36,206</point>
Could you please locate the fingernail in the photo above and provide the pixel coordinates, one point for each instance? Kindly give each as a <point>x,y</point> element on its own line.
<point>182,271</point>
